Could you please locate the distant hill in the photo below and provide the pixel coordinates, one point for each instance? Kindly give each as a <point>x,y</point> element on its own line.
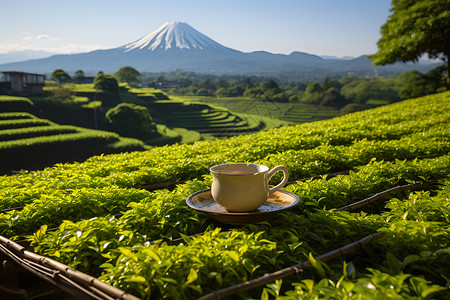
<point>16,56</point>
<point>176,45</point>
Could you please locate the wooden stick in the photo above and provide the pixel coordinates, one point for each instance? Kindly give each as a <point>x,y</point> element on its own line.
<point>159,185</point>
<point>267,278</point>
<point>377,196</point>
<point>88,281</point>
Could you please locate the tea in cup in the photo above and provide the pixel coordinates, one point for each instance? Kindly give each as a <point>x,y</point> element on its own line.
<point>243,187</point>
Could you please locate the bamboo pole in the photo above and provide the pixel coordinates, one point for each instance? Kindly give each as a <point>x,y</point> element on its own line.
<point>159,185</point>
<point>57,269</point>
<point>271,277</point>
<point>377,196</point>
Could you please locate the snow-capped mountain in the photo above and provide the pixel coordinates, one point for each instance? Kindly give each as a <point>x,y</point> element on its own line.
<point>178,46</point>
<point>174,35</point>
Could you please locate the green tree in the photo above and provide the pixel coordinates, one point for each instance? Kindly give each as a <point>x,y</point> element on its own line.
<point>254,92</point>
<point>417,84</point>
<point>79,76</point>
<point>208,84</point>
<point>131,120</point>
<point>331,83</point>
<point>314,87</point>
<point>313,94</point>
<point>60,76</point>
<point>233,91</point>
<point>127,74</point>
<point>415,28</point>
<point>271,86</point>
<point>332,97</point>
<point>362,90</point>
<point>110,87</point>
<point>248,84</point>
<point>222,83</point>
<point>300,86</point>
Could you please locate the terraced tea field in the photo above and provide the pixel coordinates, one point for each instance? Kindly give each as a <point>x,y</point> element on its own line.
<point>204,119</point>
<point>209,121</point>
<point>29,142</point>
<point>294,113</point>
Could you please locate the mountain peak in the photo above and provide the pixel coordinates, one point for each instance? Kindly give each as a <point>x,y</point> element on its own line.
<point>174,35</point>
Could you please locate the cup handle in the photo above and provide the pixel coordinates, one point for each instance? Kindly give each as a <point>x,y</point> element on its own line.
<point>283,182</point>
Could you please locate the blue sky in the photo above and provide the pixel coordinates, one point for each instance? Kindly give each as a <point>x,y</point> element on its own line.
<point>322,27</point>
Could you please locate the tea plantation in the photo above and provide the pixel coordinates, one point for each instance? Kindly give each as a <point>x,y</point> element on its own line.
<point>105,217</point>
<point>295,113</point>
<point>28,142</point>
<point>208,121</point>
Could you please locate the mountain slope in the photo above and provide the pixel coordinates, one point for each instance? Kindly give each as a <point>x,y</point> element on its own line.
<point>176,45</point>
<point>174,35</point>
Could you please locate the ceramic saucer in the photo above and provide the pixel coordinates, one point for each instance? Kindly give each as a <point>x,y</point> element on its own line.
<point>277,202</point>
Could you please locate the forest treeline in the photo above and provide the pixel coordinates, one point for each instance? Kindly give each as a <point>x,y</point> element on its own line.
<point>348,93</point>
<point>335,92</point>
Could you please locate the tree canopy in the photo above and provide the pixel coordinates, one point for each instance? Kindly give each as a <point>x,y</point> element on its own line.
<point>127,74</point>
<point>415,28</point>
<point>109,85</point>
<point>79,76</point>
<point>60,76</point>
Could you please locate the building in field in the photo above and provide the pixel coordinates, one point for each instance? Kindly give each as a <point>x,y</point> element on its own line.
<point>21,83</point>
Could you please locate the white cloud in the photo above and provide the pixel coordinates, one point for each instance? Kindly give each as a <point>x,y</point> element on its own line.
<point>40,37</point>
<point>65,49</point>
<point>45,37</point>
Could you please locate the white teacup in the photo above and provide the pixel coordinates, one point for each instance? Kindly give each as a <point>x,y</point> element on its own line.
<point>243,187</point>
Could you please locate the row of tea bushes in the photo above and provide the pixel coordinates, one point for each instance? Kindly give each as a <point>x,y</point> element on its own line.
<point>323,159</point>
<point>28,142</point>
<point>15,104</point>
<point>295,113</point>
<point>30,132</point>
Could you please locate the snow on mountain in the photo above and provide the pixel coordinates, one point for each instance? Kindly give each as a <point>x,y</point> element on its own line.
<point>174,35</point>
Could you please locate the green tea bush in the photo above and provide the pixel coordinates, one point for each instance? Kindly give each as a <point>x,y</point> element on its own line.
<point>22,123</point>
<point>131,120</point>
<point>69,111</point>
<point>16,115</point>
<point>15,104</point>
<point>30,132</point>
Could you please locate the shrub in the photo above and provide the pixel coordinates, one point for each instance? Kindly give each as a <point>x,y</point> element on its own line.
<point>353,107</point>
<point>109,85</point>
<point>131,120</point>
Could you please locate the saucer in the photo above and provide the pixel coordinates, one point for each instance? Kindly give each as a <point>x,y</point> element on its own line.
<point>276,203</point>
